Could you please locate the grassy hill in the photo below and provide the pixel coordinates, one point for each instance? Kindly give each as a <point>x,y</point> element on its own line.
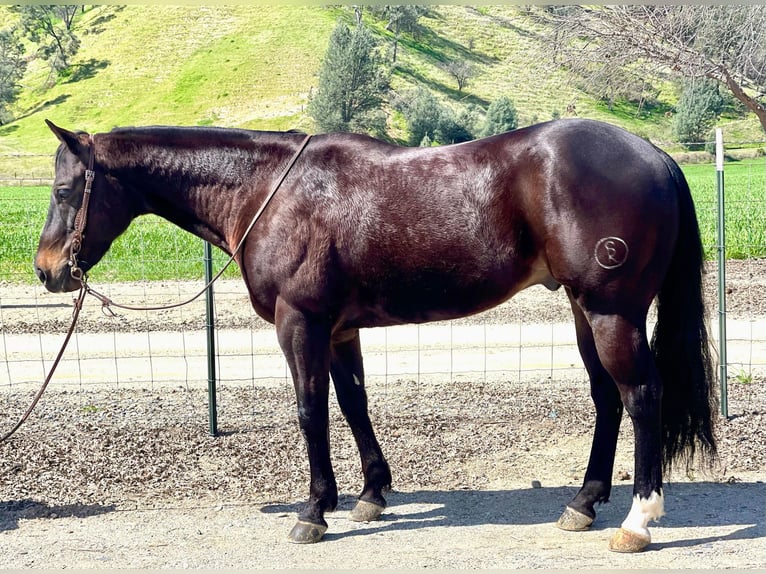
<point>225,65</point>
<point>255,67</point>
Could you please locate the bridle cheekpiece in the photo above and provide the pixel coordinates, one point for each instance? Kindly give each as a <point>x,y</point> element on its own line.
<point>81,219</point>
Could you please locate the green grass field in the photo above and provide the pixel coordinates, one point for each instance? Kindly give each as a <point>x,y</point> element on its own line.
<point>745,207</point>
<point>153,249</point>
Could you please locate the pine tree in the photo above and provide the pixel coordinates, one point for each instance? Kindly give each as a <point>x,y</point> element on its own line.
<point>423,114</point>
<point>501,117</point>
<point>352,82</point>
<point>697,110</point>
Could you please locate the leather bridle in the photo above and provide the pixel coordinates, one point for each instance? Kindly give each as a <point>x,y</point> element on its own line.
<point>81,218</point>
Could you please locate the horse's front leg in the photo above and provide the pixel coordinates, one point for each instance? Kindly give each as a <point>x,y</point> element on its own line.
<point>305,342</point>
<point>348,375</point>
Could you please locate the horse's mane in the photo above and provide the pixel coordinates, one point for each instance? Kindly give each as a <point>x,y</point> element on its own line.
<point>173,132</point>
<point>229,155</point>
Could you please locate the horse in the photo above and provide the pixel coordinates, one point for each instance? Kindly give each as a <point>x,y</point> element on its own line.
<point>353,232</point>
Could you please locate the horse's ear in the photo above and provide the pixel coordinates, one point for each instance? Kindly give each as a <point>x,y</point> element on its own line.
<point>77,143</point>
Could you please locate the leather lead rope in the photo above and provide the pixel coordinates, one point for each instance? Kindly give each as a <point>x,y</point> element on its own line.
<point>25,416</point>
<point>81,220</point>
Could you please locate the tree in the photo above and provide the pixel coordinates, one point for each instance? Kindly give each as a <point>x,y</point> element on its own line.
<point>612,45</point>
<point>454,128</point>
<point>423,113</point>
<point>462,71</point>
<point>12,68</point>
<point>52,28</point>
<point>501,117</point>
<point>697,110</point>
<point>401,18</point>
<point>427,118</point>
<point>352,82</point>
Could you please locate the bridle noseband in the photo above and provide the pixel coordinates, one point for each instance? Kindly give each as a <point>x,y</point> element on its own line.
<point>81,219</point>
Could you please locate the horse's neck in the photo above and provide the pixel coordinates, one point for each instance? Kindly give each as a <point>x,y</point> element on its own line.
<point>196,179</point>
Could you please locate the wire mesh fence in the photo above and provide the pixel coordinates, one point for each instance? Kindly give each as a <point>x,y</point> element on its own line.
<point>529,340</point>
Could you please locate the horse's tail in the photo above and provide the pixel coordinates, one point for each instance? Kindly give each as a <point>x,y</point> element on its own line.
<point>681,346</point>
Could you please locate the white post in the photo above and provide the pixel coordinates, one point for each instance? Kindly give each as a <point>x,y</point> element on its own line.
<point>721,272</point>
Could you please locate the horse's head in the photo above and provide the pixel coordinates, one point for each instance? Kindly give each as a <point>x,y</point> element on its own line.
<point>108,213</point>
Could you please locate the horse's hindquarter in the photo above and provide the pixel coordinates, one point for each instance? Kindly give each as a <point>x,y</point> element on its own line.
<point>609,212</point>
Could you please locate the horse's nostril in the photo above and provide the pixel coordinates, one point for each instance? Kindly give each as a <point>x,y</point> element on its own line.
<point>41,274</point>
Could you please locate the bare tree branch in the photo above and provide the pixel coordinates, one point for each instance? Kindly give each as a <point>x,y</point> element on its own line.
<point>462,71</point>
<point>616,48</point>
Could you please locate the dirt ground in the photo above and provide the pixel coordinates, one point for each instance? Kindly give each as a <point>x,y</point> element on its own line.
<point>130,478</point>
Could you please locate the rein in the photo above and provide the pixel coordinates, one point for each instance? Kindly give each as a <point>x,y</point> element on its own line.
<point>81,220</point>
<point>25,416</point>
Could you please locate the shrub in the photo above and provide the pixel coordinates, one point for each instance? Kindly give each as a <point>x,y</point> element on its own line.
<point>697,110</point>
<point>501,117</point>
<point>425,116</point>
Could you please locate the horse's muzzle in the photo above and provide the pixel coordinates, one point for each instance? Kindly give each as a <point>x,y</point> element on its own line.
<point>56,279</point>
<point>41,275</point>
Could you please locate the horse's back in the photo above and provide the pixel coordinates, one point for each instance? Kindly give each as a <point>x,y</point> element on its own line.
<point>409,235</point>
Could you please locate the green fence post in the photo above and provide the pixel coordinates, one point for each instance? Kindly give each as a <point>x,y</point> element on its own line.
<point>721,273</point>
<point>210,330</point>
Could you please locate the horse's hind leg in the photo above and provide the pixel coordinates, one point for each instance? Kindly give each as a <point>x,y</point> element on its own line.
<point>597,485</point>
<point>348,376</point>
<point>624,352</point>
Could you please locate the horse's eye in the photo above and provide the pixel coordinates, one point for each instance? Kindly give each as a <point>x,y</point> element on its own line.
<point>63,193</point>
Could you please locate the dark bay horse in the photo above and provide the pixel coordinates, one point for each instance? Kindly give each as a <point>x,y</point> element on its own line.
<point>362,233</point>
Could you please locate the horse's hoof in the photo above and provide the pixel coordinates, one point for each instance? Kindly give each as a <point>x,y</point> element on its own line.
<point>306,532</point>
<point>627,541</point>
<point>366,511</point>
<point>574,521</point>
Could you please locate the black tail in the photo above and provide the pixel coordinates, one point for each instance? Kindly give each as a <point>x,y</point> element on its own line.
<point>681,345</point>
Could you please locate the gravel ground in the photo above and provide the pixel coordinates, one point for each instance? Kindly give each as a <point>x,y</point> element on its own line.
<point>122,444</point>
<point>130,478</point>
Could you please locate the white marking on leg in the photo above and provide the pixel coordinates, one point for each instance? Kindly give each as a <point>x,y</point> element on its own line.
<point>642,511</point>
<point>357,381</point>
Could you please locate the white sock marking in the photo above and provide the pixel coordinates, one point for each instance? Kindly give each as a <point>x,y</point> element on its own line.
<point>642,511</point>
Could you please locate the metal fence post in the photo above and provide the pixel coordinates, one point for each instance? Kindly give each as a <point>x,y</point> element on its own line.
<point>210,330</point>
<point>721,273</point>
